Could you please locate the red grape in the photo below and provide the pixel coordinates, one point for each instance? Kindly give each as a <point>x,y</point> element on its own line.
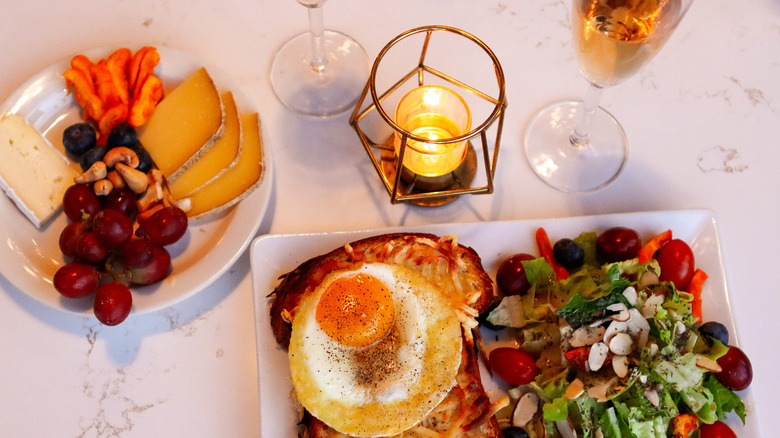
<point>154,271</point>
<point>617,244</point>
<point>166,226</point>
<point>113,302</point>
<point>737,373</point>
<point>80,200</point>
<point>69,238</point>
<point>76,280</point>
<point>123,201</point>
<point>136,253</point>
<point>510,277</point>
<point>90,248</point>
<point>112,227</point>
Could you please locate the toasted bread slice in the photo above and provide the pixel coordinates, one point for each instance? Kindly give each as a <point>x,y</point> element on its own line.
<point>467,410</point>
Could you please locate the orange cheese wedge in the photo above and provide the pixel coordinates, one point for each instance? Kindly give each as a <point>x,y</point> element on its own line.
<point>217,160</point>
<point>184,125</point>
<point>237,182</point>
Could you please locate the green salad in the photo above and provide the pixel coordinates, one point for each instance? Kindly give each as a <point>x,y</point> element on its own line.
<point>613,348</point>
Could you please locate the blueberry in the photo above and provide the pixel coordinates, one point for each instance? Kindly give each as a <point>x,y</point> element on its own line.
<point>568,254</point>
<point>514,432</point>
<point>714,330</point>
<point>144,159</point>
<point>482,318</point>
<point>79,138</point>
<point>91,156</point>
<point>122,134</point>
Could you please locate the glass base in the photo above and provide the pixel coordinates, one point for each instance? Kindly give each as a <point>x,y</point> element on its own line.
<point>570,168</point>
<point>327,92</point>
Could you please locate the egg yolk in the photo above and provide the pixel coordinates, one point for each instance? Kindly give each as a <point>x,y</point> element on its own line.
<point>356,310</point>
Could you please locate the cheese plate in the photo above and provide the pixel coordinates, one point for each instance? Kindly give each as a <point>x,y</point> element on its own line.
<point>29,256</point>
<point>274,255</point>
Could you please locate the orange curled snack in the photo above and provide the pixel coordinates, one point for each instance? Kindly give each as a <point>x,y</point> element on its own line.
<point>141,68</point>
<point>117,65</point>
<point>83,64</point>
<point>84,93</point>
<point>120,88</point>
<point>114,116</point>
<point>145,100</point>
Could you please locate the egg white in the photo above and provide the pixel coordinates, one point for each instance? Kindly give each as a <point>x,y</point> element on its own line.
<point>386,387</point>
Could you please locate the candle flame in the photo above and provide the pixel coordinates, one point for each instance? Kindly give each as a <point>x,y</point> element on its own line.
<point>432,96</point>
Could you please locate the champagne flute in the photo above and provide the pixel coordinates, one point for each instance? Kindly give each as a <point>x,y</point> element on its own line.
<point>319,73</point>
<point>576,146</point>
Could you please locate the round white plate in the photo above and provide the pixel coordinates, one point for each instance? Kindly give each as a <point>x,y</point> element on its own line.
<point>29,257</point>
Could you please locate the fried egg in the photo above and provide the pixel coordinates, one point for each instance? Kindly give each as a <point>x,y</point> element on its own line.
<point>374,349</point>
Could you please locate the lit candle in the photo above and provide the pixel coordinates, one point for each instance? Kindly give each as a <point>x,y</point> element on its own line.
<point>434,113</point>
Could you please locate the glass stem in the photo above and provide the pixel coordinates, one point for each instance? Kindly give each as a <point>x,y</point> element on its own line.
<point>319,59</point>
<point>581,134</point>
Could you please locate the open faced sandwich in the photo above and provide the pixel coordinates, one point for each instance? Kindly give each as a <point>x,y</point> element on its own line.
<point>380,341</point>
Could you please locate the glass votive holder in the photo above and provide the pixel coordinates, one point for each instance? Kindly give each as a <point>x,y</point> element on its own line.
<point>432,115</point>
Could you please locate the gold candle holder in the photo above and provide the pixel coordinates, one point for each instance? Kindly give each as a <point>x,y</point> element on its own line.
<point>434,162</point>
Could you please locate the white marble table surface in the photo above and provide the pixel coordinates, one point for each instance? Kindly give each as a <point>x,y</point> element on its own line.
<point>703,120</point>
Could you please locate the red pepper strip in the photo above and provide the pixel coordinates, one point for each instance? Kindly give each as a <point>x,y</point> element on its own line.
<point>545,248</point>
<point>647,251</point>
<point>694,288</point>
<point>684,425</point>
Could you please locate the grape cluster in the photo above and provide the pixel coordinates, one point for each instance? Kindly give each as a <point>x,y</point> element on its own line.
<point>111,245</point>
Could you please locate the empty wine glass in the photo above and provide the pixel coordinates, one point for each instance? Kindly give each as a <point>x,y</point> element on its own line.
<point>320,72</point>
<point>576,146</point>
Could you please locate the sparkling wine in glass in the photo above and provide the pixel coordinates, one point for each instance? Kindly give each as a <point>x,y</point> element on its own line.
<point>320,72</point>
<point>576,146</point>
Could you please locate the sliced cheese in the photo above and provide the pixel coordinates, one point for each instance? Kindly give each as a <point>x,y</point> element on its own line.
<point>184,125</point>
<point>33,173</point>
<point>239,181</point>
<point>220,158</point>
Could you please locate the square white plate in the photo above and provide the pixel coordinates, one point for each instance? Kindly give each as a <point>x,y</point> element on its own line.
<point>274,255</point>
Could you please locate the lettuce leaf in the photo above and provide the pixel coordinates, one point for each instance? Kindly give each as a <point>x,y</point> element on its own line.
<point>725,399</point>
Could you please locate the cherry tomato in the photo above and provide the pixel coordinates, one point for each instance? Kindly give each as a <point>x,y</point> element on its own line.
<point>737,373</point>
<point>717,429</point>
<point>677,263</point>
<point>510,277</point>
<point>618,243</point>
<point>513,365</point>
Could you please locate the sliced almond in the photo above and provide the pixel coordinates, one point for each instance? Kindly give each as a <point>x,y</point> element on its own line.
<point>614,328</point>
<point>708,364</point>
<point>597,356</point>
<point>651,304</point>
<point>621,312</point>
<point>621,344</point>
<point>575,389</point>
<point>630,294</point>
<point>652,396</point>
<point>565,428</point>
<point>586,335</point>
<point>620,365</point>
<point>525,410</point>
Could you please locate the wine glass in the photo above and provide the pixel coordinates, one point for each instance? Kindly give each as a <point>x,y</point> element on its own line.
<point>319,73</point>
<point>576,146</point>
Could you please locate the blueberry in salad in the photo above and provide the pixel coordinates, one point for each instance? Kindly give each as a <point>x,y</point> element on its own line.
<point>620,349</point>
